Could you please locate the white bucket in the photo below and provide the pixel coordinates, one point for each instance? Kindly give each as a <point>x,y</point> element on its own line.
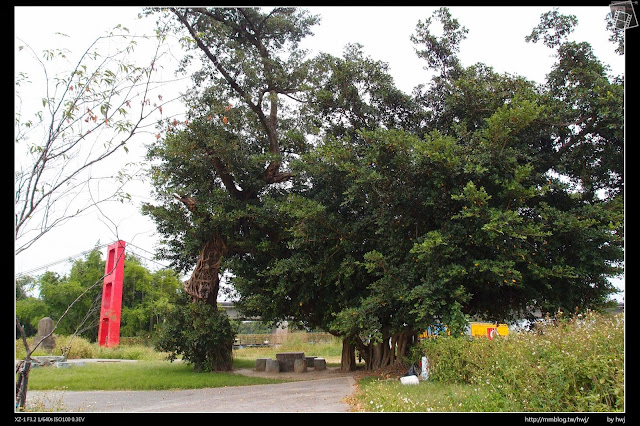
<point>409,380</point>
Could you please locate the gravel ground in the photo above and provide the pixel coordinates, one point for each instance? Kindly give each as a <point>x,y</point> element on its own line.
<point>313,391</point>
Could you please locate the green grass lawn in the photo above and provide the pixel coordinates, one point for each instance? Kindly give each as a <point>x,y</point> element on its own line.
<point>140,375</point>
<point>153,372</point>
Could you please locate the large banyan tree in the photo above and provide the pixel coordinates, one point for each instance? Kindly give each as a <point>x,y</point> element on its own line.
<point>484,195</point>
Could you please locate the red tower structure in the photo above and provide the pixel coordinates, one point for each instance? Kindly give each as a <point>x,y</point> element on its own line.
<point>109,328</point>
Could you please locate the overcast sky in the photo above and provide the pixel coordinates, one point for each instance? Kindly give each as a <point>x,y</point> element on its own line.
<point>496,38</point>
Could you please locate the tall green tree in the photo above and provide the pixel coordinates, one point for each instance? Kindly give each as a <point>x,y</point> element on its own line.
<point>562,143</point>
<point>215,174</point>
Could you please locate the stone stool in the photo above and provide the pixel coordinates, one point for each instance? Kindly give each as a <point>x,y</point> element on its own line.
<point>261,364</point>
<point>300,365</point>
<point>319,364</point>
<point>272,366</point>
<point>310,361</point>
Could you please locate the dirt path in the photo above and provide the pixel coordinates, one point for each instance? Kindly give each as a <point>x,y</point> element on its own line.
<point>313,391</point>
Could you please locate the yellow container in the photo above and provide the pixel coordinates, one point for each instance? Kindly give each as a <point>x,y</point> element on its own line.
<point>488,329</point>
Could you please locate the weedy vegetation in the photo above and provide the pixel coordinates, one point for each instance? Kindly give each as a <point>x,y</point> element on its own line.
<point>569,364</point>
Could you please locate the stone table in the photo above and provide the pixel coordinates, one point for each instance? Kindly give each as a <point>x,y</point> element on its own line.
<point>287,360</point>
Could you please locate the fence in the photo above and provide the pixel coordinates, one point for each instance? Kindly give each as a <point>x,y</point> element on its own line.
<point>278,338</point>
<point>270,339</point>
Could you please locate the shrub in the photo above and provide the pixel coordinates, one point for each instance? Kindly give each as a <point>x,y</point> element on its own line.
<point>201,333</point>
<point>77,347</point>
<point>574,364</point>
<point>80,347</point>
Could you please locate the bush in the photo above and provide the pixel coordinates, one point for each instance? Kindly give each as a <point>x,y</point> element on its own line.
<point>77,347</point>
<point>201,333</point>
<point>574,364</point>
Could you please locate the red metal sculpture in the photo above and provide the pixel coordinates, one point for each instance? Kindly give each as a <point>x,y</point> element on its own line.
<point>109,328</point>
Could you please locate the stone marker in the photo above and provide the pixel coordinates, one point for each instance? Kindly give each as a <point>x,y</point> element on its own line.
<point>300,365</point>
<point>45,327</point>
<point>272,366</point>
<point>261,364</point>
<point>319,364</point>
<point>286,359</point>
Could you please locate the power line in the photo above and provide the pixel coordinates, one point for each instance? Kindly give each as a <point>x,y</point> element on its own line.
<point>66,259</point>
<point>70,258</point>
<point>143,257</point>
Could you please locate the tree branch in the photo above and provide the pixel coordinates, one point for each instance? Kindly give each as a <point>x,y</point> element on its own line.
<point>189,202</point>
<point>272,173</point>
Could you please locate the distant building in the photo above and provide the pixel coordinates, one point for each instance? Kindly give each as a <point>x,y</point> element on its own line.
<point>230,309</point>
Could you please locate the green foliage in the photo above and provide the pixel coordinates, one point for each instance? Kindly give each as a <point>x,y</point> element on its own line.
<point>202,334</point>
<point>586,106</point>
<point>58,293</point>
<point>572,364</point>
<point>553,28</point>
<point>440,53</point>
<point>24,284</point>
<point>146,297</point>
<point>355,92</point>
<point>29,311</point>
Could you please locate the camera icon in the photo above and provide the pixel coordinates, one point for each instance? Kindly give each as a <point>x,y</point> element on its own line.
<point>623,15</point>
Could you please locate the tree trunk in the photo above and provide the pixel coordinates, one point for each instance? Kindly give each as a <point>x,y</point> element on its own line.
<point>385,353</point>
<point>24,367</point>
<point>404,340</point>
<point>348,361</point>
<point>23,384</point>
<point>377,352</point>
<point>205,280</point>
